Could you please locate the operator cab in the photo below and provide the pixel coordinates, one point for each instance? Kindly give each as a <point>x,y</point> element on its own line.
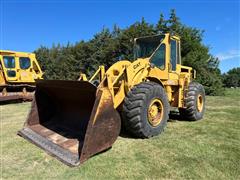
<point>19,67</point>
<point>155,47</point>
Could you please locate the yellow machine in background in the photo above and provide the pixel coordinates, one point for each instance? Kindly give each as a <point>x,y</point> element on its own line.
<point>18,72</point>
<point>73,120</point>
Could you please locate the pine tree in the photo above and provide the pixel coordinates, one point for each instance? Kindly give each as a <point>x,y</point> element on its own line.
<point>161,26</point>
<point>173,22</point>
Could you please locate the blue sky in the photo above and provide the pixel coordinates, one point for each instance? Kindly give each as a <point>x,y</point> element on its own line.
<point>27,24</point>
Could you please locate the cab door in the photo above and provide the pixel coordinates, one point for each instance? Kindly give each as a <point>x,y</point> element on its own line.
<point>174,59</point>
<point>25,69</point>
<point>9,68</point>
<point>159,60</point>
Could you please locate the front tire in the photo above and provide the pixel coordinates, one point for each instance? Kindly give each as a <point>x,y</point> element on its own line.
<point>145,110</point>
<point>194,101</point>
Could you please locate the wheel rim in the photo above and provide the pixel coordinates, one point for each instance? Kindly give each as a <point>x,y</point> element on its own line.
<point>155,112</point>
<point>200,103</point>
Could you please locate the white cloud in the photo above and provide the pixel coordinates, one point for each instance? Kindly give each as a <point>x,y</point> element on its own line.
<point>235,53</point>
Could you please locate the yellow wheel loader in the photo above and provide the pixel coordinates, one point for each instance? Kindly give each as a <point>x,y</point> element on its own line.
<point>18,72</point>
<point>73,120</point>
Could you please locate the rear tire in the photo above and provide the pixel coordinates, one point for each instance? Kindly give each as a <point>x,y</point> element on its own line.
<point>145,110</point>
<point>194,102</point>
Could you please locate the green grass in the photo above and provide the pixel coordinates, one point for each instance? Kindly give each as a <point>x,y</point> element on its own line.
<point>207,149</point>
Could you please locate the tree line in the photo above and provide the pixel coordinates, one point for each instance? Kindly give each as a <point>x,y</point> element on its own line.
<point>232,78</point>
<point>109,46</point>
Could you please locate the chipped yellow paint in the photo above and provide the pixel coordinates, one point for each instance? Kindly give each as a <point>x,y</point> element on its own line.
<point>155,112</point>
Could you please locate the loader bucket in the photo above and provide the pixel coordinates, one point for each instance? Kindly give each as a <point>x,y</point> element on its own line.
<point>71,120</point>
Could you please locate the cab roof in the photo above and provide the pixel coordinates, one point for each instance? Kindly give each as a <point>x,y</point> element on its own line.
<point>15,53</point>
<point>157,36</point>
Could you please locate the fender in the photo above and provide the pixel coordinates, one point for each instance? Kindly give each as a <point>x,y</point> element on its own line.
<point>155,79</point>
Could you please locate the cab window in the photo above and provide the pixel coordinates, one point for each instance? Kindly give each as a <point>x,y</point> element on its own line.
<point>24,62</point>
<point>158,58</point>
<point>9,61</point>
<point>11,73</point>
<point>178,53</point>
<point>173,54</point>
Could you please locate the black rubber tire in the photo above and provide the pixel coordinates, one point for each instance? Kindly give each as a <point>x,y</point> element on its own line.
<point>135,109</point>
<point>190,112</point>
